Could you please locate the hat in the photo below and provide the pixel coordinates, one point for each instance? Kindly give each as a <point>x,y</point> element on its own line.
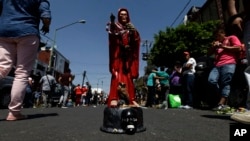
<point>186,53</point>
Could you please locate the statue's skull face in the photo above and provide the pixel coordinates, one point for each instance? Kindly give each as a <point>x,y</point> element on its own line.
<point>123,16</point>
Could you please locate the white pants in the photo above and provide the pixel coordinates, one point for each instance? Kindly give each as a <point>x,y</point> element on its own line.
<point>20,52</point>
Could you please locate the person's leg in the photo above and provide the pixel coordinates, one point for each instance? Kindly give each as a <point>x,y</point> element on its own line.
<point>65,96</point>
<point>26,51</point>
<point>163,93</point>
<point>213,81</point>
<point>190,89</point>
<point>165,99</point>
<point>7,56</point>
<point>245,117</point>
<point>247,75</point>
<point>44,97</point>
<point>227,73</point>
<point>247,71</point>
<point>150,96</point>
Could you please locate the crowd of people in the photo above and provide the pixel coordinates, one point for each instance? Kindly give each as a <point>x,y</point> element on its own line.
<point>48,91</point>
<point>179,81</point>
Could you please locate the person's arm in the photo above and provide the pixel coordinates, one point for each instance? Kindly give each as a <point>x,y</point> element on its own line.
<point>234,17</point>
<point>46,23</point>
<point>188,65</point>
<point>232,7</point>
<point>60,80</point>
<point>1,7</point>
<point>231,48</point>
<point>45,15</point>
<point>234,45</point>
<point>212,49</point>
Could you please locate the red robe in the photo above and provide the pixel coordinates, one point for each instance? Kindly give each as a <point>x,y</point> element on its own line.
<point>124,47</point>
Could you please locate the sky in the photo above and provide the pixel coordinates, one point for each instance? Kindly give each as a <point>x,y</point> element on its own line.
<point>86,45</point>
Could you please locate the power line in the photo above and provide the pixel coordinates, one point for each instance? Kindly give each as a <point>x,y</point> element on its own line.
<point>180,13</point>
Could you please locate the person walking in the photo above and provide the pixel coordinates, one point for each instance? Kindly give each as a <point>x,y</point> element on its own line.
<point>84,95</point>
<point>78,95</point>
<point>225,49</point>
<point>19,42</point>
<point>66,81</point>
<point>236,19</point>
<point>47,83</point>
<point>88,94</point>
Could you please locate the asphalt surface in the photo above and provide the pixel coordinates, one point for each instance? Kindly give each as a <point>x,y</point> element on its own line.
<point>83,124</point>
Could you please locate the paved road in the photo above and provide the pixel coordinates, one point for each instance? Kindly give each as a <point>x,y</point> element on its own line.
<point>83,124</point>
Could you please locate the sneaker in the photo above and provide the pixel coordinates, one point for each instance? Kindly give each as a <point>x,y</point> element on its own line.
<point>223,109</point>
<point>187,107</point>
<point>12,117</point>
<point>181,107</point>
<point>59,105</point>
<point>64,107</point>
<point>242,117</point>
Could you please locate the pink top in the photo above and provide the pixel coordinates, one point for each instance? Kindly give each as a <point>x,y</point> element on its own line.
<point>223,56</point>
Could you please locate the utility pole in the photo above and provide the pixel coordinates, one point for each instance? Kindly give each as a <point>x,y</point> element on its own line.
<point>83,77</point>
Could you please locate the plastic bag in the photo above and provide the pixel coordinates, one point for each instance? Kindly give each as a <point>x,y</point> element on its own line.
<point>174,100</point>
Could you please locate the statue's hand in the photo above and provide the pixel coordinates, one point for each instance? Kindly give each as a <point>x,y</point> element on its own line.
<point>114,72</point>
<point>130,26</point>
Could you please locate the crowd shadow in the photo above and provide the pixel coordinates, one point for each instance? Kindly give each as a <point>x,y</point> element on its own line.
<point>34,116</point>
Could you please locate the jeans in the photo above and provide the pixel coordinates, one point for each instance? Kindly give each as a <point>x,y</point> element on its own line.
<point>64,97</point>
<point>21,52</point>
<point>188,86</point>
<point>247,71</point>
<point>220,79</point>
<point>150,96</point>
<point>46,95</point>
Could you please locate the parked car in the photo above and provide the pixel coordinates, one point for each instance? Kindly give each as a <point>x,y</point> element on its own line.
<point>55,97</point>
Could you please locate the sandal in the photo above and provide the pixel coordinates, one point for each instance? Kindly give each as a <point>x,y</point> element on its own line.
<point>12,117</point>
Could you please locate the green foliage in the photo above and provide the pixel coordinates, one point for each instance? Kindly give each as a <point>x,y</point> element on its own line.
<point>170,44</point>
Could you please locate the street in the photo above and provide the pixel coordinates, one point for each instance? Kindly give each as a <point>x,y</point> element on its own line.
<point>83,124</point>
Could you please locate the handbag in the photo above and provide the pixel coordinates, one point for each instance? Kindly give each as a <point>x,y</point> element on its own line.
<point>52,86</point>
<point>174,100</point>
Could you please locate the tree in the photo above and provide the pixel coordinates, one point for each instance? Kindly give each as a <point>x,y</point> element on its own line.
<point>171,43</point>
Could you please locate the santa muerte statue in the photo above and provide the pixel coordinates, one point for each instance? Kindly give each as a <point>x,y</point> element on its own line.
<point>123,114</point>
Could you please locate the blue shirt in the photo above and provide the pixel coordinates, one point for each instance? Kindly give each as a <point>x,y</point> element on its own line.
<point>165,75</point>
<point>22,17</point>
<point>151,79</point>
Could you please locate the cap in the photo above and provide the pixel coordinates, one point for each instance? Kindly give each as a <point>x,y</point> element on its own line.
<point>186,53</point>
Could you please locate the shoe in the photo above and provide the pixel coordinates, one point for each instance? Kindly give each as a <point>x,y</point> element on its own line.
<point>64,107</point>
<point>242,117</point>
<point>12,117</point>
<point>181,107</point>
<point>59,105</point>
<point>187,107</point>
<point>223,109</point>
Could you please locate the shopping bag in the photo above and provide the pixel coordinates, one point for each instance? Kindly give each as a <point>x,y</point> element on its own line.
<point>174,100</point>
